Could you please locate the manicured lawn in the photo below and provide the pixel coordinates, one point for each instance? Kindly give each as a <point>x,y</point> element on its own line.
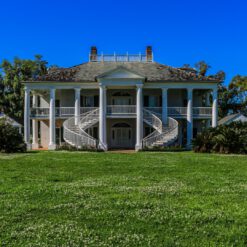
<point>110,199</point>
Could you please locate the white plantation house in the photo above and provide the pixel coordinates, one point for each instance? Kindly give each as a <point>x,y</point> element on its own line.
<point>118,101</point>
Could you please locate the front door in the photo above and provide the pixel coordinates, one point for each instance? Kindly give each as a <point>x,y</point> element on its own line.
<point>121,136</point>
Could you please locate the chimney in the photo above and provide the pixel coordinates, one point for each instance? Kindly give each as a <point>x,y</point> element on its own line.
<point>149,54</point>
<point>93,54</point>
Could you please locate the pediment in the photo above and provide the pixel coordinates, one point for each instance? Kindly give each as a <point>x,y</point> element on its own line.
<point>120,73</point>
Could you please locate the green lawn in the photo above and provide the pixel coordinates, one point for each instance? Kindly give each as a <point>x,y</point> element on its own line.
<point>110,199</point>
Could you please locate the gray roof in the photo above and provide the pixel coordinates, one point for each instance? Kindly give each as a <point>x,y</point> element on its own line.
<point>153,72</point>
<point>9,120</point>
<point>230,118</point>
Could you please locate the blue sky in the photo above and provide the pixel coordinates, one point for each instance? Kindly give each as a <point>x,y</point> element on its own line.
<point>179,31</point>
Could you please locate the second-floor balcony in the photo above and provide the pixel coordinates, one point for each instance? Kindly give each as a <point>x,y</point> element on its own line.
<point>181,112</point>
<point>121,110</point>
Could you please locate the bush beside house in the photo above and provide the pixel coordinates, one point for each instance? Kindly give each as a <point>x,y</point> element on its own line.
<point>10,139</point>
<point>226,139</point>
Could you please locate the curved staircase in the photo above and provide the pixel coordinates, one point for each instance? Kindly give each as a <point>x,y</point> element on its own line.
<point>76,135</point>
<point>162,135</point>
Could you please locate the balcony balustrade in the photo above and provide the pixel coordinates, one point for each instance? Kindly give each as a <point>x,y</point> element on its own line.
<point>181,112</point>
<point>129,110</point>
<point>61,112</point>
<point>121,109</point>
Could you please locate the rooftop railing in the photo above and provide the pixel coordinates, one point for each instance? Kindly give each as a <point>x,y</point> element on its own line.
<point>121,58</point>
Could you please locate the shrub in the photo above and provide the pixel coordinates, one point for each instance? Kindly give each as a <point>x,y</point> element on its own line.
<point>67,147</point>
<point>10,139</point>
<point>164,149</point>
<point>226,139</point>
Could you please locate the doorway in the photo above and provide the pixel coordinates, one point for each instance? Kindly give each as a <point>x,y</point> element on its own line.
<point>121,135</point>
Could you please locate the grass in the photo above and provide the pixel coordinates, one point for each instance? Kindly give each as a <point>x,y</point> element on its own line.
<point>110,199</point>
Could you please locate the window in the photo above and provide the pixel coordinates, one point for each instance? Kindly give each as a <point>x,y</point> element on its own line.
<point>87,101</point>
<point>57,136</point>
<point>153,101</point>
<point>148,130</point>
<point>57,103</point>
<point>62,139</point>
<point>96,101</point>
<point>146,100</point>
<point>194,132</point>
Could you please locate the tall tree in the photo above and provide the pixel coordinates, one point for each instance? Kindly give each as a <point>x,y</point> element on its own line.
<point>233,98</point>
<point>11,87</point>
<point>202,67</point>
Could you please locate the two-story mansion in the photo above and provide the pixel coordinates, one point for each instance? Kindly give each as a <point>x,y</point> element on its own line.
<point>118,101</point>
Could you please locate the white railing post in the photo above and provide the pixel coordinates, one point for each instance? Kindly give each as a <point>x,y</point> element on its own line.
<point>139,118</point>
<point>189,116</point>
<point>215,108</point>
<point>102,117</point>
<point>52,143</point>
<point>27,118</point>
<point>35,143</point>
<point>164,106</point>
<point>77,105</point>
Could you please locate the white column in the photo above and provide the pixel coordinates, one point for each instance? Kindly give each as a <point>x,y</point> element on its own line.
<point>139,118</point>
<point>208,121</point>
<point>215,108</point>
<point>164,106</point>
<point>27,118</point>
<point>105,112</point>
<point>35,143</point>
<point>77,105</point>
<point>189,116</point>
<point>52,143</point>
<point>102,118</point>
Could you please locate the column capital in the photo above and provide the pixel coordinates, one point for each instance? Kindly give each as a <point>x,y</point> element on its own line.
<point>215,92</point>
<point>103,87</point>
<point>164,89</point>
<point>77,89</point>
<point>27,89</point>
<point>139,86</point>
<point>52,92</point>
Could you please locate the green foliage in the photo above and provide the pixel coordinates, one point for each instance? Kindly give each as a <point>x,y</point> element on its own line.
<point>124,200</point>
<point>67,147</point>
<point>11,87</point>
<point>11,141</point>
<point>164,149</point>
<point>226,139</point>
<point>233,98</point>
<point>202,67</point>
